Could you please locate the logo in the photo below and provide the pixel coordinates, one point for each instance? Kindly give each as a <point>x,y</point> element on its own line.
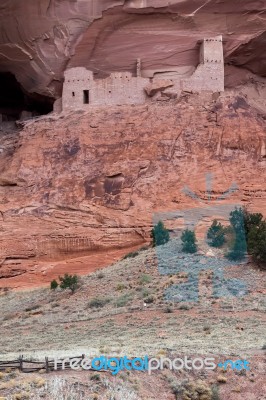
<point>118,364</point>
<point>172,260</point>
<point>238,365</point>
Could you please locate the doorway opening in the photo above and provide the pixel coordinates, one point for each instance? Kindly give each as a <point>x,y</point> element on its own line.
<point>86,97</point>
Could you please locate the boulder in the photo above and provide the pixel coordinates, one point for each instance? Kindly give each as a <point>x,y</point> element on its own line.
<point>157,86</point>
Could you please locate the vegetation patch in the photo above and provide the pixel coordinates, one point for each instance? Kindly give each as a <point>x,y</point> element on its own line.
<point>99,302</point>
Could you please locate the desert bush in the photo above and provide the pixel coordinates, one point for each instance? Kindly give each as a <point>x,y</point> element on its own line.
<point>221,379</point>
<point>123,300</point>
<point>53,284</point>
<point>69,282</point>
<point>132,254</point>
<point>188,239</point>
<point>95,377</point>
<point>184,307</point>
<point>18,396</point>
<point>176,387</point>
<point>168,309</point>
<point>60,389</point>
<point>39,382</point>
<point>207,328</point>
<point>144,291</point>
<point>119,392</point>
<point>33,308</point>
<point>120,286</point>
<point>144,278</point>
<point>216,234</point>
<point>99,302</point>
<point>159,235</point>
<point>215,392</point>
<point>149,299</point>
<point>197,390</point>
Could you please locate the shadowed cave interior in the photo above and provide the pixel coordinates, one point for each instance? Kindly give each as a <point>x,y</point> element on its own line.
<point>14,100</point>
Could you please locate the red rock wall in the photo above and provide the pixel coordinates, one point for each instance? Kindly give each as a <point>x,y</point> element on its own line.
<point>93,180</point>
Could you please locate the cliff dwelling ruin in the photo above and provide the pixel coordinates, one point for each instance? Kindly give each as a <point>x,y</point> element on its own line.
<point>81,90</point>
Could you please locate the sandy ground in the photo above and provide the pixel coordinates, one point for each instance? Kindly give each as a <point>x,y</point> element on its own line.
<point>42,273</point>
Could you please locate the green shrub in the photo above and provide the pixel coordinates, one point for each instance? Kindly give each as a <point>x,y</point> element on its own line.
<point>149,299</point>
<point>120,286</point>
<point>168,309</point>
<point>216,234</point>
<point>95,377</point>
<point>215,392</point>
<point>33,308</point>
<point>98,302</point>
<point>53,284</point>
<point>145,279</point>
<point>257,243</point>
<point>251,220</point>
<point>144,291</point>
<point>131,255</point>
<point>236,253</point>
<point>255,233</point>
<point>239,246</point>
<point>189,241</point>
<point>176,387</point>
<point>69,282</point>
<point>123,300</point>
<point>159,234</point>
<point>184,307</point>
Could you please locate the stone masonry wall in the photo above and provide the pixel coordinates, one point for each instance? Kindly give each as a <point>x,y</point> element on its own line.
<point>210,73</point>
<point>76,80</point>
<point>118,88</point>
<point>81,89</point>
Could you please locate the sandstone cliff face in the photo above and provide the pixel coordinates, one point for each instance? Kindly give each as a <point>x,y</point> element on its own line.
<point>87,182</point>
<point>39,39</point>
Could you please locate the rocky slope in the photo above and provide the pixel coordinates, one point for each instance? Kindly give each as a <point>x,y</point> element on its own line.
<point>39,39</point>
<point>80,183</point>
<point>122,311</point>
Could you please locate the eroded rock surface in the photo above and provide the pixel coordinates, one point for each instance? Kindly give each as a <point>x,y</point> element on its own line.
<point>87,182</point>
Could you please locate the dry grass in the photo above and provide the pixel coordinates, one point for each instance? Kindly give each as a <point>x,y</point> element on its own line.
<point>44,322</point>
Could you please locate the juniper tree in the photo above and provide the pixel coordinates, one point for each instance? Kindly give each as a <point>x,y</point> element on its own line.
<point>69,282</point>
<point>216,234</point>
<point>189,241</point>
<point>239,246</point>
<point>257,243</point>
<point>159,234</point>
